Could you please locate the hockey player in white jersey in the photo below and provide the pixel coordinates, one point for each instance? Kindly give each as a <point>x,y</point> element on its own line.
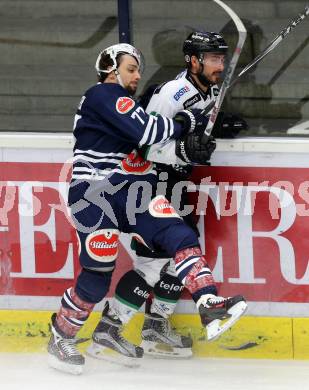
<point>196,87</point>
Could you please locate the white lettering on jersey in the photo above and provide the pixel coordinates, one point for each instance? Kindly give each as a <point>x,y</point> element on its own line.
<point>135,115</point>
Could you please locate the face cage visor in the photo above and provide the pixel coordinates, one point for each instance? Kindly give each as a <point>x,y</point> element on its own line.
<point>212,59</point>
<point>114,51</point>
<point>205,58</point>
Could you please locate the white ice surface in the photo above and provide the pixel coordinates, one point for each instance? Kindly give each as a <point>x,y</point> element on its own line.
<point>30,372</point>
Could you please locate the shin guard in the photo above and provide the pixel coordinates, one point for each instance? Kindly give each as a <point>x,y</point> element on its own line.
<point>194,273</point>
<point>73,313</point>
<point>166,295</point>
<point>131,293</point>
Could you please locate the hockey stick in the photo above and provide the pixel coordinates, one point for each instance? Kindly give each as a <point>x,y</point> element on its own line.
<point>283,68</point>
<point>242,33</point>
<point>275,42</point>
<point>289,61</point>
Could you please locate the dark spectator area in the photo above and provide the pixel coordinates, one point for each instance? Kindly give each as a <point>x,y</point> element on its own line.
<point>49,47</point>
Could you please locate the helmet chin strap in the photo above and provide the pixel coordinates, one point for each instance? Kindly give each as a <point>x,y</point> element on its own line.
<point>119,78</point>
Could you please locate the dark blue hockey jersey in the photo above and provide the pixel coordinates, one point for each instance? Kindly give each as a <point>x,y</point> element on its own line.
<point>109,127</point>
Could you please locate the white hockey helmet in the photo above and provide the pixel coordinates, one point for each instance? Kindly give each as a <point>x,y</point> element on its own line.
<point>113,51</point>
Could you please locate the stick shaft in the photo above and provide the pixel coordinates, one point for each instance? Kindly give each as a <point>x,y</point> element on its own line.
<point>242,33</point>
<point>274,43</point>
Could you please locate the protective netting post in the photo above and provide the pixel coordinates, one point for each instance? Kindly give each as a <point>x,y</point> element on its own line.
<point>124,15</point>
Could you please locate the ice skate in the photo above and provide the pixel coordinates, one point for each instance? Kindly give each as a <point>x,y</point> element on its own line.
<point>218,314</point>
<point>62,352</point>
<point>108,343</point>
<point>160,340</point>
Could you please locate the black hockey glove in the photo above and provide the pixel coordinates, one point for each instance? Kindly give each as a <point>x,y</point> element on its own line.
<point>192,120</point>
<point>228,125</point>
<point>195,148</point>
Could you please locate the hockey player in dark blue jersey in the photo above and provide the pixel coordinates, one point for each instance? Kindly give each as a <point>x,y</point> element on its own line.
<point>196,87</point>
<point>109,180</point>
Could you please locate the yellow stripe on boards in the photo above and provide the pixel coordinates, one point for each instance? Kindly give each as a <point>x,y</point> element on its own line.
<point>301,338</point>
<point>251,337</point>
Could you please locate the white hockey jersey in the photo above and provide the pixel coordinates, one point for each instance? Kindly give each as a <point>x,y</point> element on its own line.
<point>170,98</point>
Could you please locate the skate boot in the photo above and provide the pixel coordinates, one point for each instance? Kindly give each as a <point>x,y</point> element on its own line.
<point>160,340</point>
<point>218,314</point>
<point>62,352</point>
<point>108,343</point>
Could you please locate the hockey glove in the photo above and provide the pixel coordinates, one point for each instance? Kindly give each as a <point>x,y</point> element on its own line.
<point>192,120</point>
<point>228,125</point>
<point>195,148</point>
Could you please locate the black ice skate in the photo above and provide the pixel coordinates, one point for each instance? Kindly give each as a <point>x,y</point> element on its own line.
<point>160,340</point>
<point>218,314</point>
<point>108,343</point>
<point>62,352</point>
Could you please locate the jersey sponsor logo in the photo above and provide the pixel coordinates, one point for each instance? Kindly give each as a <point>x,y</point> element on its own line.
<point>124,104</point>
<point>141,293</point>
<point>181,92</point>
<point>194,99</point>
<point>160,207</point>
<point>171,287</point>
<point>102,245</point>
<point>135,164</point>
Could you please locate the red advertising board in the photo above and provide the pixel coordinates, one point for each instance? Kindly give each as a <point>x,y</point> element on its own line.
<point>253,222</point>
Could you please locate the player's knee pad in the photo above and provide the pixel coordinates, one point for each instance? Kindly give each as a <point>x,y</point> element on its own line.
<point>92,286</point>
<point>98,250</point>
<point>149,268</point>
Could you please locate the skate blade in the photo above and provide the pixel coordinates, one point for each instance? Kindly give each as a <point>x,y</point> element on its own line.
<point>101,352</point>
<point>217,327</point>
<point>54,362</point>
<point>161,350</point>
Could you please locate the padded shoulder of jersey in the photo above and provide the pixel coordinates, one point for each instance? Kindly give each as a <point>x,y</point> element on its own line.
<point>109,89</point>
